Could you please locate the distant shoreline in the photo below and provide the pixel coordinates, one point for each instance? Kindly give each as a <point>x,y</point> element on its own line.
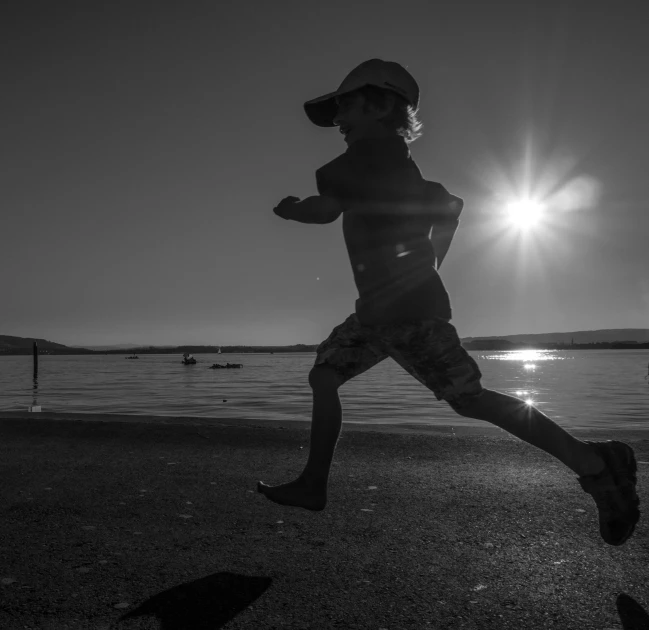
<point>472,345</point>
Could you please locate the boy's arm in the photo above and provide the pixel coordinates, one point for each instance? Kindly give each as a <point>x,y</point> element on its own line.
<point>443,233</point>
<point>445,224</point>
<point>317,209</point>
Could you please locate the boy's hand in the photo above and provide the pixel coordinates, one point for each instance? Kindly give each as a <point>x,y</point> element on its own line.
<point>285,208</point>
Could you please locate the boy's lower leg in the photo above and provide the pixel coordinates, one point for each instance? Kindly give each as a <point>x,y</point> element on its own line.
<point>513,415</point>
<point>530,425</point>
<point>309,490</point>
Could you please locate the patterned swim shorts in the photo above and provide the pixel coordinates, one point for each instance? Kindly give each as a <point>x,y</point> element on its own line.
<point>429,350</point>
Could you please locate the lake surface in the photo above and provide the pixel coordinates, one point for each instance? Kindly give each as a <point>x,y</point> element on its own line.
<point>577,389</point>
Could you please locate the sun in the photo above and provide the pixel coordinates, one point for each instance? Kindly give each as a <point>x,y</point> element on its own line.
<point>524,213</point>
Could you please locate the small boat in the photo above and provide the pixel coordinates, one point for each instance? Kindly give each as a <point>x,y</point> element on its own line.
<point>216,366</point>
<point>188,359</point>
<point>132,357</point>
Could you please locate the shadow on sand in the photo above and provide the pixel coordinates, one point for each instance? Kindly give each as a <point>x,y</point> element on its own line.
<point>632,615</point>
<point>203,604</point>
<point>211,602</point>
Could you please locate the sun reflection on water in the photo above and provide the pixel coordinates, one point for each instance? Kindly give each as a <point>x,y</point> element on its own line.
<point>528,356</point>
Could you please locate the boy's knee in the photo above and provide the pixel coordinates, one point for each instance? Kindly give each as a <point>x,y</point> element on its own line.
<point>465,405</point>
<point>324,377</point>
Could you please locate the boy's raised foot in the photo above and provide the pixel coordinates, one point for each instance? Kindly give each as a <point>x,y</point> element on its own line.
<point>614,491</point>
<point>298,493</point>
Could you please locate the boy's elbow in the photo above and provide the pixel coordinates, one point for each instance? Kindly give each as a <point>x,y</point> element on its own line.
<point>446,226</point>
<point>328,209</point>
<point>317,209</point>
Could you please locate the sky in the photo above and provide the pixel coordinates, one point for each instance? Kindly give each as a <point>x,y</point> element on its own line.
<point>145,144</point>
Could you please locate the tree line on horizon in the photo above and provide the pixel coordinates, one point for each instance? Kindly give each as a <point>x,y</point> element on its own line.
<point>24,346</point>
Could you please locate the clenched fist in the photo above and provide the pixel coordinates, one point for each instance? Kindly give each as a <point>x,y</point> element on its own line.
<point>285,207</point>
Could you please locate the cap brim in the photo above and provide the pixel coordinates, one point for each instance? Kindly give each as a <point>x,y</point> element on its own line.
<point>322,110</point>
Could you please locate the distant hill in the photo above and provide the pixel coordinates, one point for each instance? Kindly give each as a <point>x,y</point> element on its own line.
<point>608,335</point>
<point>9,344</point>
<point>118,346</point>
<point>24,345</point>
<point>584,338</point>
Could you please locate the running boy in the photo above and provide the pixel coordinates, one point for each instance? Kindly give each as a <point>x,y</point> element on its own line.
<point>398,228</point>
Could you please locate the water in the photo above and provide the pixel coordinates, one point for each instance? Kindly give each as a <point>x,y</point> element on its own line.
<point>578,389</point>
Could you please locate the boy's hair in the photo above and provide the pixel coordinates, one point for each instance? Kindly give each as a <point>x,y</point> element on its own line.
<point>403,117</point>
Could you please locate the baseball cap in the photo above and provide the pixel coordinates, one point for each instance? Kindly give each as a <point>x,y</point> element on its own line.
<point>388,75</point>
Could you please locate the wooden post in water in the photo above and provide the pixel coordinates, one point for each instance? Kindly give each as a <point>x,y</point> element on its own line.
<point>34,406</point>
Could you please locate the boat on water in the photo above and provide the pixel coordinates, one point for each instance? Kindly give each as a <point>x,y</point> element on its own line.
<point>132,357</point>
<point>188,359</point>
<point>216,366</point>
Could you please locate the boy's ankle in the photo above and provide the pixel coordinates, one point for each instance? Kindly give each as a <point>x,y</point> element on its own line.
<point>594,465</point>
<point>314,480</point>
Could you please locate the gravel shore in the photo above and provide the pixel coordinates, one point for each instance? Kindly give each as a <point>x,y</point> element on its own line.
<point>154,523</point>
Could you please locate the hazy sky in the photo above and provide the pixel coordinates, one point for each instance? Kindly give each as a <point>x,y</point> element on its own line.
<point>144,145</point>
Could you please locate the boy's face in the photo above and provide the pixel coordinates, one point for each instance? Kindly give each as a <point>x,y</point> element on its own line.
<point>355,123</point>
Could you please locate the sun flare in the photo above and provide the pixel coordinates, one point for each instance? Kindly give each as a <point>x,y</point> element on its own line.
<point>524,213</point>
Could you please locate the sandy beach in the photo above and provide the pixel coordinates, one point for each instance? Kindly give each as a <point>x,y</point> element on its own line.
<point>141,522</point>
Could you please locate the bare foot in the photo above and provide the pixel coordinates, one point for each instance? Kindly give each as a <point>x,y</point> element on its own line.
<point>298,493</point>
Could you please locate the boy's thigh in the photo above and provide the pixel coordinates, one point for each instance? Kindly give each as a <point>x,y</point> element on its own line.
<point>350,350</point>
<point>431,351</point>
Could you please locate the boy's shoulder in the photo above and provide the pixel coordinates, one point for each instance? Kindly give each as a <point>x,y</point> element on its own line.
<point>336,176</point>
<point>366,155</point>
<point>334,167</point>
<point>353,174</point>
<point>365,167</point>
<point>340,164</point>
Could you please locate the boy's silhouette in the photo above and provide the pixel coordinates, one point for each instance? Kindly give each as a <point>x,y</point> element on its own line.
<point>398,228</point>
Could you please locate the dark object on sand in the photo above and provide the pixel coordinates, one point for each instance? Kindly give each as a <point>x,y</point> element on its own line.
<point>216,366</point>
<point>209,602</point>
